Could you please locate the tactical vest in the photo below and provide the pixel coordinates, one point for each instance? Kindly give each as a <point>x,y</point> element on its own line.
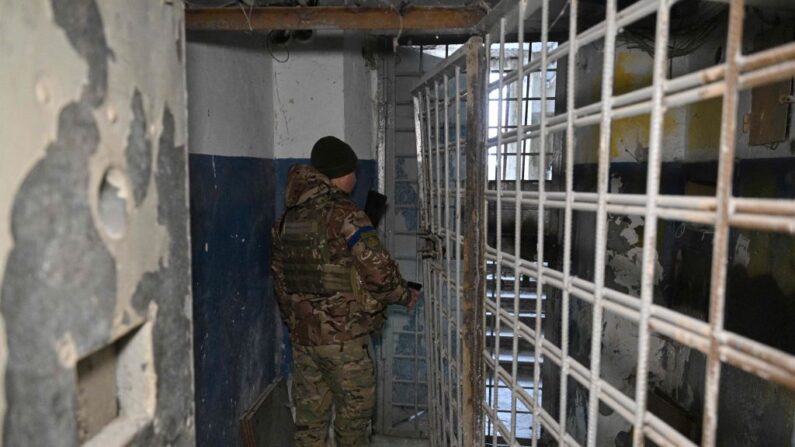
<point>307,263</point>
<point>309,271</point>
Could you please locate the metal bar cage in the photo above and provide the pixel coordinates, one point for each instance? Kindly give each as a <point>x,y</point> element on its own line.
<point>441,270</point>
<point>521,285</point>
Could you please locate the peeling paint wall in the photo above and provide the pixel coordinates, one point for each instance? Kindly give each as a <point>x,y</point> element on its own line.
<point>760,292</point>
<point>94,217</point>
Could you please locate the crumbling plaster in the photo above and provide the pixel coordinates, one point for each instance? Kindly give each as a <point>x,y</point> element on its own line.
<point>70,77</point>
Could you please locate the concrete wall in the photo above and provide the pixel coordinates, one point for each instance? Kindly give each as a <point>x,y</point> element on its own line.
<point>253,114</point>
<point>94,222</point>
<point>760,296</point>
<point>238,332</point>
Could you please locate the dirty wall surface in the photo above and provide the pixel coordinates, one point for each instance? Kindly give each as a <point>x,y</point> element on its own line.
<point>94,237</point>
<point>760,291</point>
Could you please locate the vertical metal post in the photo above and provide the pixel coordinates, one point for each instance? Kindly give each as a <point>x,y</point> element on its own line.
<point>567,217</point>
<point>422,138</point>
<point>517,244</point>
<point>437,268</point>
<point>721,239</point>
<point>458,242</point>
<point>498,267</point>
<point>601,220</point>
<point>430,307</point>
<point>474,250</point>
<point>448,252</point>
<point>650,223</point>
<point>542,178</point>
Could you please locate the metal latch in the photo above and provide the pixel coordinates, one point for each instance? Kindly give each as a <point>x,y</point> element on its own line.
<point>429,250</point>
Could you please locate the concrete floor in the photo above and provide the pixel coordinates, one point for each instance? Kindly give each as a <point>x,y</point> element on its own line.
<point>388,441</point>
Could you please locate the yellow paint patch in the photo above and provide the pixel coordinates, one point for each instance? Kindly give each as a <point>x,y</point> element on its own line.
<point>632,71</point>
<point>632,134</point>
<point>703,131</point>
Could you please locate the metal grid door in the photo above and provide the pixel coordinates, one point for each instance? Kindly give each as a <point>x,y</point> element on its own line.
<point>458,285</point>
<point>403,389</point>
<point>555,134</point>
<point>448,106</point>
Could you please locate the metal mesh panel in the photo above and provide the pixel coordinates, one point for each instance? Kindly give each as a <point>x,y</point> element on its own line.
<point>723,211</point>
<point>522,285</point>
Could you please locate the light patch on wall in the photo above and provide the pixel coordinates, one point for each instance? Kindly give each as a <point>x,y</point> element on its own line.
<point>615,184</point>
<point>66,350</point>
<point>741,255</point>
<point>627,266</point>
<point>112,203</point>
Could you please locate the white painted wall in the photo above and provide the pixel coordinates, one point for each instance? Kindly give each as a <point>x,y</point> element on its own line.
<point>361,108</point>
<point>244,100</point>
<point>230,96</point>
<point>324,88</point>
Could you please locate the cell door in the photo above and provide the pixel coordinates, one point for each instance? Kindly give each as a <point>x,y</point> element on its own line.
<point>448,108</point>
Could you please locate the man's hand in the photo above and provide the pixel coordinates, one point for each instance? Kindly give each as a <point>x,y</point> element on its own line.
<point>415,296</point>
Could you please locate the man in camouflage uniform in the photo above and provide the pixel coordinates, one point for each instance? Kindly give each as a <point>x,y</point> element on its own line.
<point>333,280</point>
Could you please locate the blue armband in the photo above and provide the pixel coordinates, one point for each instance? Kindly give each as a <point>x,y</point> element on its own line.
<point>358,235</point>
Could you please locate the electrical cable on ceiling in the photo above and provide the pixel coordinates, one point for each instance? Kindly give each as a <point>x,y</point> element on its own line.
<point>399,11</point>
<point>247,16</point>
<point>270,50</point>
<point>686,34</point>
<point>560,15</point>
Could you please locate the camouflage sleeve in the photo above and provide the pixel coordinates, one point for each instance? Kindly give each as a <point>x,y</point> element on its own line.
<point>277,269</point>
<point>376,268</point>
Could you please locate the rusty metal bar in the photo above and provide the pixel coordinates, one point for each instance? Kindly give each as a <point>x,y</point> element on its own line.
<point>517,228</point>
<point>721,238</point>
<point>654,166</point>
<point>567,218</point>
<point>474,250</point>
<point>537,341</point>
<point>601,219</point>
<point>448,261</point>
<point>458,245</point>
<point>759,214</point>
<point>498,267</point>
<point>410,18</point>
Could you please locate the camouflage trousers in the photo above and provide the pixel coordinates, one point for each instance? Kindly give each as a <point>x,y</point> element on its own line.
<point>338,374</point>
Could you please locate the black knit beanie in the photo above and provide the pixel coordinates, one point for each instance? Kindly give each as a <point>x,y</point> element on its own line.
<point>333,157</point>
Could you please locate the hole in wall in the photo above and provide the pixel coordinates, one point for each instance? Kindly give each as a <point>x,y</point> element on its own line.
<point>113,195</point>
<point>96,392</point>
<point>116,387</point>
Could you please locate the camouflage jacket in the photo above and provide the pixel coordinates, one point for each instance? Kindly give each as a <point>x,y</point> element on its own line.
<point>333,287</point>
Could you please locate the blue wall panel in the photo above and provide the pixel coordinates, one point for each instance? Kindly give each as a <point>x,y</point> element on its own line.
<point>237,329</point>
